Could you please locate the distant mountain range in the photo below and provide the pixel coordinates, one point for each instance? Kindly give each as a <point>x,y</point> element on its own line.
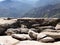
<point>45,11</point>
<point>46,2</point>
<point>29,8</point>
<point>10,8</point>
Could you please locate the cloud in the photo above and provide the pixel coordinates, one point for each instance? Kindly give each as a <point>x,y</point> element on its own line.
<point>1,0</point>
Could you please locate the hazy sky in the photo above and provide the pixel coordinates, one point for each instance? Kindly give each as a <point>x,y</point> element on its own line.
<point>25,0</point>
<point>35,0</point>
<point>42,2</point>
<point>1,0</point>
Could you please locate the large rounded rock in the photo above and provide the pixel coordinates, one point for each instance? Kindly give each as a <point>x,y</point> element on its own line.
<point>57,27</point>
<point>45,27</point>
<point>50,21</point>
<point>21,36</point>
<point>24,30</point>
<point>27,42</point>
<point>47,40</point>
<point>35,30</point>
<point>35,25</point>
<point>39,21</point>
<point>49,30</point>
<point>32,34</point>
<point>36,22</point>
<point>8,40</point>
<point>41,36</point>
<point>4,24</point>
<point>13,31</point>
<point>55,35</point>
<point>34,43</point>
<point>2,31</point>
<point>8,23</point>
<point>17,31</point>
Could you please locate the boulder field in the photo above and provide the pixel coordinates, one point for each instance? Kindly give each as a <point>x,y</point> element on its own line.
<point>29,31</point>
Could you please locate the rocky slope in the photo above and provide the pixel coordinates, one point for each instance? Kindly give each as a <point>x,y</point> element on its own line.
<point>12,8</point>
<point>29,31</point>
<point>45,11</point>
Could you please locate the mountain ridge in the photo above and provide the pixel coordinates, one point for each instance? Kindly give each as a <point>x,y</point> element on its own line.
<point>13,8</point>
<point>46,11</point>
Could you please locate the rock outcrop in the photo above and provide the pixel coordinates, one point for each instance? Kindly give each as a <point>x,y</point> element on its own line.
<point>41,36</point>
<point>11,31</point>
<point>21,36</point>
<point>33,34</point>
<point>47,40</point>
<point>38,31</point>
<point>57,27</point>
<point>8,40</point>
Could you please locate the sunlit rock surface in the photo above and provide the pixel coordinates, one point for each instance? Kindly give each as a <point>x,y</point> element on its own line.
<point>29,31</point>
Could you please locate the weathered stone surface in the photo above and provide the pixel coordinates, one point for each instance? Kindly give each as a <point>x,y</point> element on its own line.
<point>46,27</point>
<point>8,23</point>
<point>2,31</point>
<point>17,31</point>
<point>32,34</point>
<point>57,42</point>
<point>35,30</point>
<point>50,21</point>
<point>35,25</point>
<point>24,30</point>
<point>21,36</point>
<point>33,22</point>
<point>28,43</point>
<point>23,26</point>
<point>41,36</point>
<point>57,27</point>
<point>47,39</point>
<point>8,40</point>
<point>49,30</point>
<point>55,35</point>
<point>13,31</point>
<point>34,43</point>
<point>4,24</point>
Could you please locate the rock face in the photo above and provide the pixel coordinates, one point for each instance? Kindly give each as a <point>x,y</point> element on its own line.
<point>4,24</point>
<point>24,30</point>
<point>35,25</point>
<point>28,43</point>
<point>41,36</point>
<point>17,31</point>
<point>13,31</point>
<point>21,36</point>
<point>55,35</point>
<point>2,31</point>
<point>8,23</point>
<point>47,39</point>
<point>50,21</point>
<point>33,22</point>
<point>8,40</point>
<point>34,43</point>
<point>57,27</point>
<point>45,27</point>
<point>36,30</point>
<point>32,34</point>
<point>49,30</point>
